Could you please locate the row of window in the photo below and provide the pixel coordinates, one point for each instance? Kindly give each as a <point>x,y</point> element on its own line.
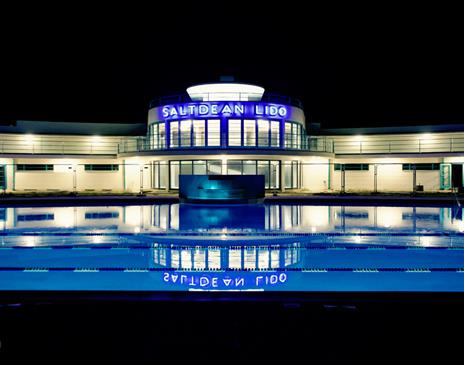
<point>269,168</point>
<point>240,133</point>
<point>48,167</point>
<point>406,166</point>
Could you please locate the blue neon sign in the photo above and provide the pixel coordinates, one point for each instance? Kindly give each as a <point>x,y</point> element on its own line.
<point>225,280</point>
<point>227,109</point>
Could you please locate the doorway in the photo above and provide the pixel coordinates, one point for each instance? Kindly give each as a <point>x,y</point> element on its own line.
<point>456,176</point>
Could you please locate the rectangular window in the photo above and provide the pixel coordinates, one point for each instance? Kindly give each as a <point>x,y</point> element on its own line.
<point>34,167</point>
<point>159,173</point>
<point>174,174</point>
<point>214,167</point>
<point>263,169</point>
<point>186,168</point>
<point>288,135</point>
<point>275,134</point>
<point>199,167</point>
<point>101,167</point>
<point>263,133</point>
<point>174,134</point>
<point>291,171</point>
<point>199,133</point>
<point>214,132</point>
<point>185,133</point>
<point>235,132</point>
<point>421,166</point>
<point>101,215</point>
<point>234,167</point>
<point>351,167</point>
<point>2,177</point>
<point>35,217</point>
<point>249,132</point>
<point>249,167</point>
<point>274,174</point>
<point>162,135</point>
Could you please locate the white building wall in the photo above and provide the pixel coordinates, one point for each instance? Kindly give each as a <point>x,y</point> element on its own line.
<point>315,174</point>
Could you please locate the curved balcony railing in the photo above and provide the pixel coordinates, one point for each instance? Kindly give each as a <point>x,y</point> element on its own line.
<point>266,98</point>
<point>143,144</point>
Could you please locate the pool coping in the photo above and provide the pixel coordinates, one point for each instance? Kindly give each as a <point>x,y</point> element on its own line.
<point>294,199</point>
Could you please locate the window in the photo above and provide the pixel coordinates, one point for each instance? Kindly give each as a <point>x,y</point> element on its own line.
<point>235,132</point>
<point>270,170</point>
<point>101,167</point>
<point>2,177</point>
<point>351,167</point>
<point>291,172</point>
<point>185,133</point>
<point>249,133</point>
<point>214,132</point>
<point>101,215</point>
<point>275,134</point>
<point>263,133</point>
<point>192,167</point>
<point>293,135</point>
<point>199,133</point>
<point>157,136</point>
<point>35,217</point>
<point>34,167</point>
<point>159,174</point>
<point>421,166</point>
<point>174,134</point>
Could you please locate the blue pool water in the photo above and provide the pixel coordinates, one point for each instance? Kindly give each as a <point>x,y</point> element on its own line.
<point>261,247</point>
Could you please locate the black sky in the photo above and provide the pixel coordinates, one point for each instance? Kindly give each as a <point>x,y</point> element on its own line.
<point>385,68</point>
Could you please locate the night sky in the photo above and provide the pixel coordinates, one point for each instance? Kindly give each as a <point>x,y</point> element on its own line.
<point>379,70</point>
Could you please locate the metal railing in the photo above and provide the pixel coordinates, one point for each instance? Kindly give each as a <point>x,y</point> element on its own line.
<point>399,146</point>
<point>266,98</point>
<point>144,144</point>
<point>57,146</point>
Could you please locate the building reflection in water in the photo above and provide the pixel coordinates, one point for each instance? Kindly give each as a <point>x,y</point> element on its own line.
<point>244,218</point>
<point>226,257</point>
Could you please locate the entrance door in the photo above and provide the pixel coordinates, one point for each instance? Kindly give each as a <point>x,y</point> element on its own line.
<point>457,175</point>
<point>445,176</point>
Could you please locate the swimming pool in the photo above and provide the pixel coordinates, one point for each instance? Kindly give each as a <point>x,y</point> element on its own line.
<point>260,247</point>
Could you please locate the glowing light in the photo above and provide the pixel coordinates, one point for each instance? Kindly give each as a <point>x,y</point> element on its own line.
<point>29,138</point>
<point>225,91</point>
<point>357,239</point>
<point>30,241</point>
<point>136,229</point>
<point>97,239</point>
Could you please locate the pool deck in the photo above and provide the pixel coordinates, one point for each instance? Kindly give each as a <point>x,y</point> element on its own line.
<point>291,198</point>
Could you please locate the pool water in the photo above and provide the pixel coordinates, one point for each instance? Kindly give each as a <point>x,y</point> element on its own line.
<point>261,247</point>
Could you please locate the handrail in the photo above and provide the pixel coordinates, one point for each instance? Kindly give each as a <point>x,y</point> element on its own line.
<point>267,97</point>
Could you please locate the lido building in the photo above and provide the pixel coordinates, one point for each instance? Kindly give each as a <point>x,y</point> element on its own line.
<point>228,129</point>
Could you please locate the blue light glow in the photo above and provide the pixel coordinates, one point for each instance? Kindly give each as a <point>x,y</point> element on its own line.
<point>220,109</point>
<point>225,281</point>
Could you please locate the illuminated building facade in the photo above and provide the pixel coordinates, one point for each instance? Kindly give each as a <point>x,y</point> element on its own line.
<point>227,129</point>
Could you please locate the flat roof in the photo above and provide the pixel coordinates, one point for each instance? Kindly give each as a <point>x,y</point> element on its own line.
<point>75,128</point>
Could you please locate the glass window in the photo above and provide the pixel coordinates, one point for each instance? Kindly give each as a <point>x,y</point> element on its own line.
<point>185,133</point>
<point>294,135</point>
<point>275,133</point>
<point>199,133</point>
<point>174,134</point>
<point>235,132</point>
<point>214,167</point>
<point>274,175</point>
<point>249,132</point>
<point>101,167</point>
<point>263,132</point>
<point>263,169</point>
<point>249,167</point>
<point>162,135</point>
<point>234,167</point>
<point>37,167</point>
<point>295,174</point>
<point>214,132</point>
<point>199,167</point>
<point>288,135</point>
<point>291,171</point>
<point>159,174</point>
<point>186,168</point>
<point>174,174</point>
